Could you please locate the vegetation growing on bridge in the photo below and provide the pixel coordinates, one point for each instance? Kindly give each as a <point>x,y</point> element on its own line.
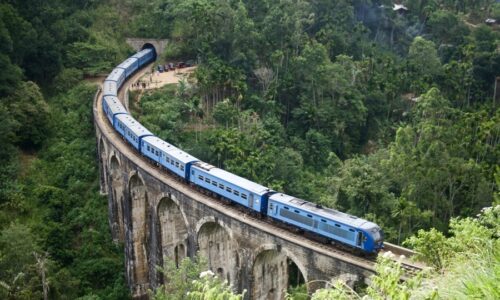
<point>386,115</point>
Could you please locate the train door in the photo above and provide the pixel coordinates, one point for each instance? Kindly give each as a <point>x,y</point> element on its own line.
<point>250,200</point>
<point>359,238</point>
<point>273,209</point>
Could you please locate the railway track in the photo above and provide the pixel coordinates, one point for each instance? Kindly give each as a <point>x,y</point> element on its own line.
<point>410,269</point>
<point>234,212</point>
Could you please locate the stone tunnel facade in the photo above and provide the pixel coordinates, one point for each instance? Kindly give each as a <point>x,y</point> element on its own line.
<point>139,44</point>
<point>157,218</point>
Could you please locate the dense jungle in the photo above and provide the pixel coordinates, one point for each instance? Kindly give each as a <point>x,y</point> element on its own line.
<point>387,114</point>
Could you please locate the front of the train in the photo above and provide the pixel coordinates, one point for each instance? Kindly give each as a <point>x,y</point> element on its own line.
<point>373,237</point>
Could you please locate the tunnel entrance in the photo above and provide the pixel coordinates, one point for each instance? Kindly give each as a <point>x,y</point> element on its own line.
<point>150,46</point>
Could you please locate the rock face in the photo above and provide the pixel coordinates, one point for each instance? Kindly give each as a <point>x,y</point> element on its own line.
<point>157,216</point>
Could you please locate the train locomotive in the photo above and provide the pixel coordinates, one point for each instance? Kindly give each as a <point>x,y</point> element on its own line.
<point>330,224</point>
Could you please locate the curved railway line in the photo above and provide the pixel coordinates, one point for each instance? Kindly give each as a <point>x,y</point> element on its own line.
<point>230,210</point>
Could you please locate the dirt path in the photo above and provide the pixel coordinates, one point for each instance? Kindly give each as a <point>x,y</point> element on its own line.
<point>157,79</point>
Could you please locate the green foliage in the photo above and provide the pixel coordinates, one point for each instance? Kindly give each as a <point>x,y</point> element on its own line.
<point>162,114</point>
<point>18,274</point>
<point>209,287</point>
<point>179,279</point>
<point>297,293</point>
<point>385,115</point>
<point>31,113</point>
<point>424,64</point>
<point>59,209</point>
<point>189,281</point>
<point>386,284</point>
<point>468,236</point>
<point>297,83</point>
<point>468,265</point>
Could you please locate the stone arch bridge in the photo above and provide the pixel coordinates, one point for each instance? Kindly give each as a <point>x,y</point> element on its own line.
<point>158,217</point>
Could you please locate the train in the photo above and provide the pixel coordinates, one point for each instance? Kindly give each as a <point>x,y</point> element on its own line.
<point>337,227</point>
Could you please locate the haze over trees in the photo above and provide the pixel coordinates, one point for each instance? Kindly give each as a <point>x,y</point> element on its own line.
<point>386,115</point>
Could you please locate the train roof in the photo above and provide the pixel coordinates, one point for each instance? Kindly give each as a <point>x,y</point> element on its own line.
<point>115,105</point>
<point>327,213</point>
<point>133,125</point>
<point>115,74</point>
<point>141,53</point>
<point>159,143</point>
<point>127,63</point>
<point>109,88</point>
<point>234,179</point>
<point>182,156</point>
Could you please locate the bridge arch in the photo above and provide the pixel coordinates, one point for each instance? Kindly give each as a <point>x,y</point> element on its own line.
<point>216,243</point>
<point>138,205</point>
<point>271,270</point>
<point>173,229</point>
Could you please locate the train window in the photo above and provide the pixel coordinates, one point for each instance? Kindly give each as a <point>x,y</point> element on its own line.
<point>271,206</point>
<point>297,211</point>
<point>148,148</point>
<point>309,216</point>
<point>337,225</point>
<point>221,186</point>
<point>229,189</point>
<point>351,230</point>
<point>214,183</point>
<point>207,180</point>
<point>182,168</point>
<point>286,207</point>
<point>172,162</point>
<point>157,153</point>
<point>192,172</point>
<point>177,164</point>
<point>168,159</point>
<point>244,196</point>
<point>324,221</point>
<point>200,177</point>
<point>236,193</point>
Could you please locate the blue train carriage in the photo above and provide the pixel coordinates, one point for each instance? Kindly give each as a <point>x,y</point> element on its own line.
<point>145,56</point>
<point>118,76</point>
<point>235,188</point>
<point>179,162</point>
<point>109,88</point>
<point>112,107</point>
<point>155,148</point>
<point>130,65</point>
<point>131,130</point>
<point>330,223</point>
